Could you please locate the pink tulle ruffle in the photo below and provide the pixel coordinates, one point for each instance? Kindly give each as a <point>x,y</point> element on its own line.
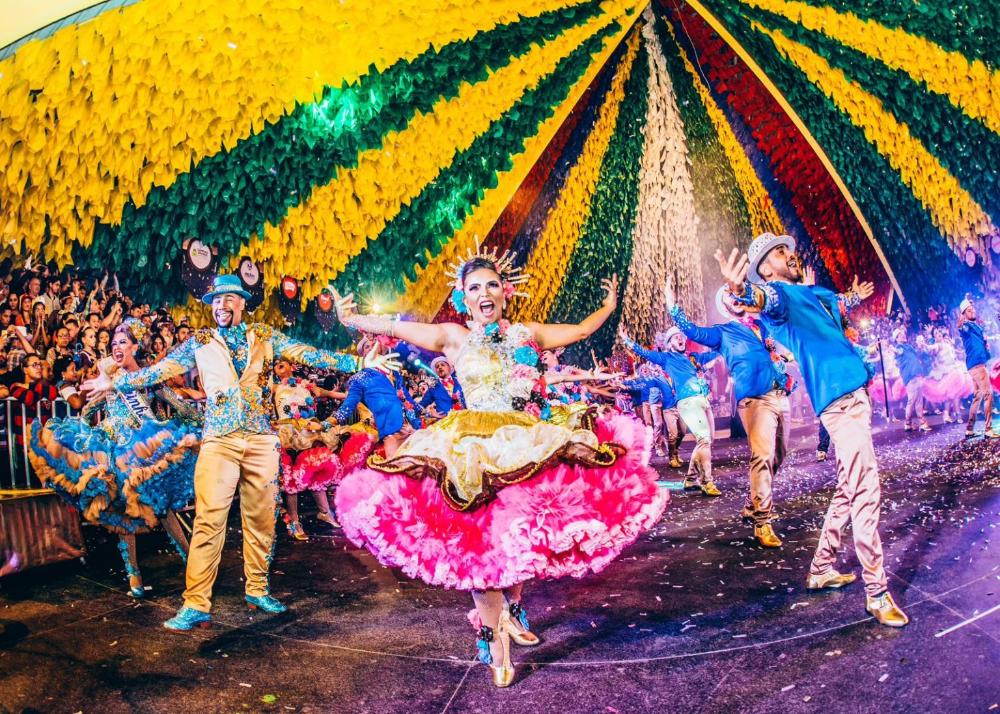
<point>566,520</point>
<point>956,384</point>
<point>876,389</point>
<point>320,467</point>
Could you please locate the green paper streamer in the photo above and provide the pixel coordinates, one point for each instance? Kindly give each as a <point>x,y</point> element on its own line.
<point>417,234</point>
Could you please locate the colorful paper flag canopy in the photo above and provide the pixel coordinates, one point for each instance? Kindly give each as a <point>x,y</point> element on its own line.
<point>369,145</point>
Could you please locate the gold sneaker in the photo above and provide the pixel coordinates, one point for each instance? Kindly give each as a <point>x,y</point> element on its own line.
<point>830,579</point>
<point>884,609</point>
<point>766,536</point>
<point>710,489</point>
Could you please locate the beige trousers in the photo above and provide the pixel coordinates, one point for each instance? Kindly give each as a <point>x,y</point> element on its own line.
<point>767,420</point>
<point>248,461</point>
<point>984,394</point>
<point>857,498</point>
<point>675,430</point>
<point>667,427</point>
<point>696,413</point>
<point>914,400</point>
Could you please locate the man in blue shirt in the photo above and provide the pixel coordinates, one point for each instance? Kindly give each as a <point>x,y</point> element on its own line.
<point>692,400</point>
<point>658,401</point>
<point>761,387</point>
<point>382,390</point>
<point>912,364</point>
<point>977,354</point>
<point>446,394</point>
<point>807,320</point>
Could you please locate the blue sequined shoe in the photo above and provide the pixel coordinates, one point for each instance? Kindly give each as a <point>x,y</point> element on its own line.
<point>187,618</point>
<point>266,603</point>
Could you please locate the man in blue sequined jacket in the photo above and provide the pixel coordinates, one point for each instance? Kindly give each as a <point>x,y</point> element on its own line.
<point>807,320</point>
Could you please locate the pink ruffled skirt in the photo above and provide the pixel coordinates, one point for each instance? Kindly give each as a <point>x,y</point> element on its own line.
<point>956,384</point>
<point>876,389</point>
<point>567,519</point>
<point>320,467</point>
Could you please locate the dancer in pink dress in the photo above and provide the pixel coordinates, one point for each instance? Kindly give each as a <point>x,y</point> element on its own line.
<point>314,454</point>
<point>949,382</point>
<point>876,388</point>
<point>507,490</point>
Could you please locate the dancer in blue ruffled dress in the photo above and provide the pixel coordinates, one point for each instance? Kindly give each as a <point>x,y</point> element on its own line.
<point>135,468</point>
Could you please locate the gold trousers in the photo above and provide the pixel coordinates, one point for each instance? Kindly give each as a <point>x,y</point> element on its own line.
<point>767,420</point>
<point>249,461</point>
<point>983,395</point>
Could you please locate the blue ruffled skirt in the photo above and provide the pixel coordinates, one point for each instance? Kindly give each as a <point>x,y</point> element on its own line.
<point>124,485</point>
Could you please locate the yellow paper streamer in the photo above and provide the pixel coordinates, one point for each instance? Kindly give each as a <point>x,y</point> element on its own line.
<point>552,252</point>
<point>956,214</point>
<point>428,292</point>
<point>970,85</point>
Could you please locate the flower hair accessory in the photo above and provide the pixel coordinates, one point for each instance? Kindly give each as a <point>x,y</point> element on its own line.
<point>510,275</point>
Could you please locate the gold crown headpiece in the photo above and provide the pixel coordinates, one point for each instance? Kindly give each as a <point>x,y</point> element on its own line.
<point>503,262</point>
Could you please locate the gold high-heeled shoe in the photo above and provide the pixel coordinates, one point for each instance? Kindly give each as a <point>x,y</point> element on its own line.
<point>524,638</point>
<point>503,673</point>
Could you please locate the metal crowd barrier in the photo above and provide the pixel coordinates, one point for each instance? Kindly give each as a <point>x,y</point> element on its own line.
<point>15,470</point>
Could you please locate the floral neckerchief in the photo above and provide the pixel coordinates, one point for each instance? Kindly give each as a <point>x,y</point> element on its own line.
<point>236,340</point>
<point>450,387</point>
<point>782,380</point>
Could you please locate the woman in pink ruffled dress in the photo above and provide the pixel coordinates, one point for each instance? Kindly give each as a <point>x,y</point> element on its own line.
<point>949,382</point>
<point>876,387</point>
<point>509,489</point>
<point>314,454</point>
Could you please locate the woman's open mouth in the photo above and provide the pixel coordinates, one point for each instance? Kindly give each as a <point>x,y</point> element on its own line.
<point>487,308</point>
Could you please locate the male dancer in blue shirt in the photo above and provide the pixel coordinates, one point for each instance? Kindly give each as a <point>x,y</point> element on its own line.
<point>807,320</point>
<point>658,402</point>
<point>446,394</point>
<point>977,354</point>
<point>761,386</point>
<point>692,400</point>
<point>912,363</point>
